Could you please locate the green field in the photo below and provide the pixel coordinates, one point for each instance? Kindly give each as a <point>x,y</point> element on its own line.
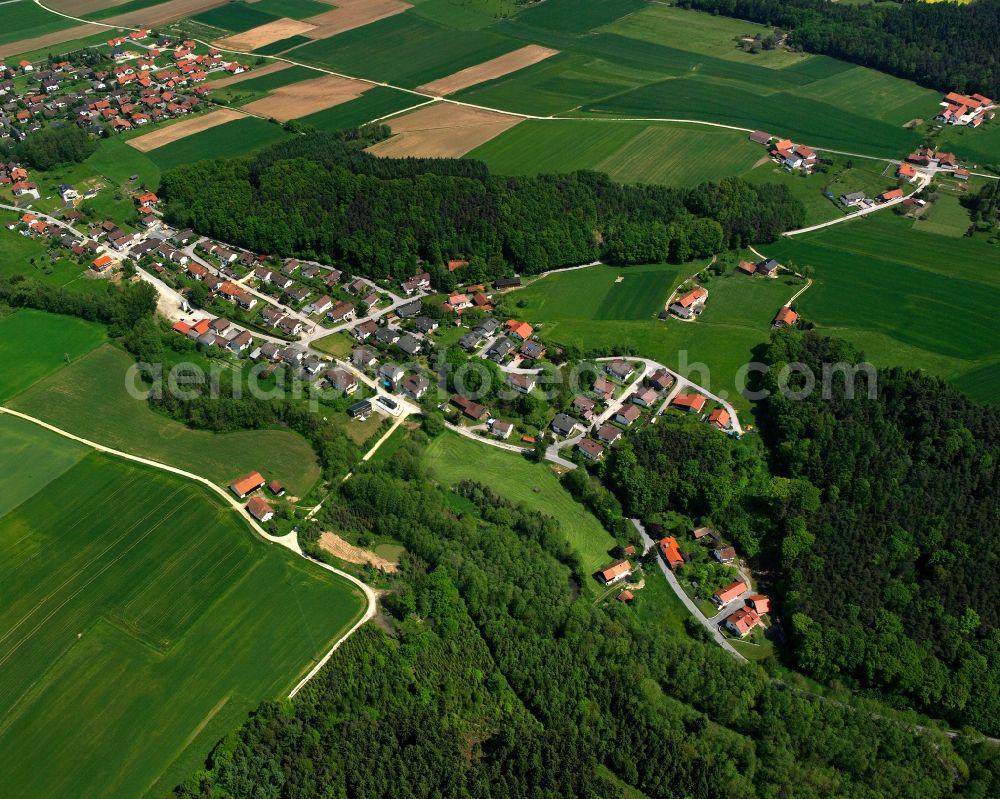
<point>230,140</point>
<point>405,49</point>
<point>511,476</point>
<point>235,16</point>
<point>89,398</point>
<point>945,217</point>
<point>377,102</point>
<point>34,344</point>
<point>31,257</point>
<point>141,622</point>
<point>122,8</point>
<point>595,293</point>
<point>906,297</point>
<point>255,88</point>
<point>22,19</point>
<point>274,48</point>
<point>630,152</point>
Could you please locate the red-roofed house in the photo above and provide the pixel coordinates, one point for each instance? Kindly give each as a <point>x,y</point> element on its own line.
<point>519,330</point>
<point>671,552</point>
<point>747,268</point>
<point>102,263</point>
<point>907,172</point>
<point>260,509</point>
<point>726,595</point>
<point>786,317</point>
<point>720,418</point>
<point>692,403</point>
<point>759,603</point>
<point>616,571</point>
<point>691,303</point>
<point>742,622</point>
<point>891,194</point>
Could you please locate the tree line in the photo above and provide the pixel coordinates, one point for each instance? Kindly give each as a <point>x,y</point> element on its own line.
<point>497,680</point>
<point>321,196</point>
<point>946,46</point>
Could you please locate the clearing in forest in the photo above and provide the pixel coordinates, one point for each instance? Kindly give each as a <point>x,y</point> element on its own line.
<point>265,34</point>
<point>443,130</point>
<point>307,97</point>
<point>181,130</point>
<point>488,70</point>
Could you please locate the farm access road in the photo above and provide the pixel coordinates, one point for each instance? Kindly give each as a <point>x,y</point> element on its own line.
<point>289,541</point>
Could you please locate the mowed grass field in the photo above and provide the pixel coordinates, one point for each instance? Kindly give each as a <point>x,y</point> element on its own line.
<point>89,398</point>
<point>630,152</point>
<point>142,620</point>
<point>906,297</point>
<point>599,293</point>
<point>229,140</point>
<point>511,476</point>
<point>34,344</point>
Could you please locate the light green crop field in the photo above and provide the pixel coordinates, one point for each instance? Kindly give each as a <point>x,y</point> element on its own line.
<point>34,344</point>
<point>511,476</point>
<point>89,398</point>
<point>905,297</point>
<point>142,620</point>
<point>945,217</point>
<point>630,152</point>
<point>229,140</point>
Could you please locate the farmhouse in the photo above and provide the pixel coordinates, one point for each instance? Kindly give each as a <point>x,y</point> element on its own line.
<point>617,571</point>
<point>591,449</point>
<point>473,410</point>
<point>246,484</point>
<point>761,137</point>
<point>260,509</point>
<point>742,622</point>
<point>908,173</point>
<point>785,317</point>
<point>768,267</point>
<point>891,194</point>
<point>671,552</point>
<point>724,596</point>
<point>852,199</point>
<point>691,304</point>
<point>747,268</point>
<point>759,603</point>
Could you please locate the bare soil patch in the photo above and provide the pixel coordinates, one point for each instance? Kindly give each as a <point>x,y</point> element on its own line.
<point>265,34</point>
<point>488,70</point>
<point>444,130</point>
<point>350,14</point>
<point>274,66</point>
<point>164,12</point>
<point>340,548</point>
<point>49,39</point>
<point>180,130</point>
<point>307,97</point>
<point>913,123</point>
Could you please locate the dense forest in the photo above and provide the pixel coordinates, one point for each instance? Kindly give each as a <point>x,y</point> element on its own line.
<point>320,195</point>
<point>892,579</point>
<point>946,46</point>
<point>498,680</point>
<point>52,146</point>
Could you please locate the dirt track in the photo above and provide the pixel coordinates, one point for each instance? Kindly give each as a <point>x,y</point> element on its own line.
<point>307,97</point>
<point>350,14</point>
<point>264,34</point>
<point>338,547</point>
<point>443,130</point>
<point>488,70</point>
<point>181,130</point>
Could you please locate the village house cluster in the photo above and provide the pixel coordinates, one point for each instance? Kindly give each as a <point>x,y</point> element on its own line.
<point>250,487</point>
<point>144,80</point>
<point>791,156</point>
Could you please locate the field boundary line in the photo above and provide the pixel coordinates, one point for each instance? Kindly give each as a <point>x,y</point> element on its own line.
<point>289,541</point>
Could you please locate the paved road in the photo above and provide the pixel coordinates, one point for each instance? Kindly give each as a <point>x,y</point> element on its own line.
<point>289,541</point>
<point>713,628</point>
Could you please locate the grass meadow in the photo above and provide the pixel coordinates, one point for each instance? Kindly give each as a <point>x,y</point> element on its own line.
<point>630,152</point>
<point>34,344</point>
<point>229,140</point>
<point>511,476</point>
<point>142,622</point>
<point>89,398</point>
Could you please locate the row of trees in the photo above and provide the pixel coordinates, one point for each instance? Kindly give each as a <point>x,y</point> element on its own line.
<point>499,682</point>
<point>321,195</point>
<point>947,46</point>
